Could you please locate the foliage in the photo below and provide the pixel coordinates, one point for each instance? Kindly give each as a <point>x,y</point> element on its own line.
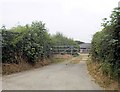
<point>31,42</point>
<point>106,45</point>
<point>79,42</point>
<point>60,39</point>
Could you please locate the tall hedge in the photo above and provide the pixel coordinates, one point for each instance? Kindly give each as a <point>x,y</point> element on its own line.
<point>30,42</point>
<point>106,45</point>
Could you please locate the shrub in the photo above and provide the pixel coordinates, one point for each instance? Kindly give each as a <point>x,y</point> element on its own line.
<point>106,45</point>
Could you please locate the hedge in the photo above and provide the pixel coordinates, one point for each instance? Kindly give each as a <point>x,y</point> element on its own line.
<point>105,47</point>
<point>31,42</point>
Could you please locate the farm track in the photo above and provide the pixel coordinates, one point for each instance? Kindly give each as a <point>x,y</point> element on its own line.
<point>61,76</point>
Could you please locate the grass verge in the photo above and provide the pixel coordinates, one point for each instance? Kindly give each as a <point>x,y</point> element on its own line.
<point>8,69</point>
<point>104,81</point>
<point>76,60</point>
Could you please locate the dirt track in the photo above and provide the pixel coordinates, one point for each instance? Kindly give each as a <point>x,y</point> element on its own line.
<point>60,76</point>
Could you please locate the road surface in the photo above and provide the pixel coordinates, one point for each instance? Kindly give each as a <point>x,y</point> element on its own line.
<point>60,76</point>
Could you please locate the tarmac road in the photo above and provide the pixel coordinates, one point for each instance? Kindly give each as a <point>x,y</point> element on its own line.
<point>60,76</point>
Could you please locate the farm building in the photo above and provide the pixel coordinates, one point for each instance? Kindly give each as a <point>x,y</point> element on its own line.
<point>85,47</point>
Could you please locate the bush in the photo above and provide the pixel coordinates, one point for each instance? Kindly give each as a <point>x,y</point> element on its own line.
<point>28,41</point>
<point>31,42</point>
<point>106,45</point>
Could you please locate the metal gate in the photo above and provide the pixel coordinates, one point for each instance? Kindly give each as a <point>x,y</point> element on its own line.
<point>64,49</point>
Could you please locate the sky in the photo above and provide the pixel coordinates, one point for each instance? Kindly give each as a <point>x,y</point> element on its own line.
<point>77,19</point>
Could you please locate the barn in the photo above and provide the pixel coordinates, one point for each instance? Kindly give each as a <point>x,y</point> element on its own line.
<point>85,47</point>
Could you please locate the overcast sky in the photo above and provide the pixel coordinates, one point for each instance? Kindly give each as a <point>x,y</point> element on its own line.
<point>77,19</point>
